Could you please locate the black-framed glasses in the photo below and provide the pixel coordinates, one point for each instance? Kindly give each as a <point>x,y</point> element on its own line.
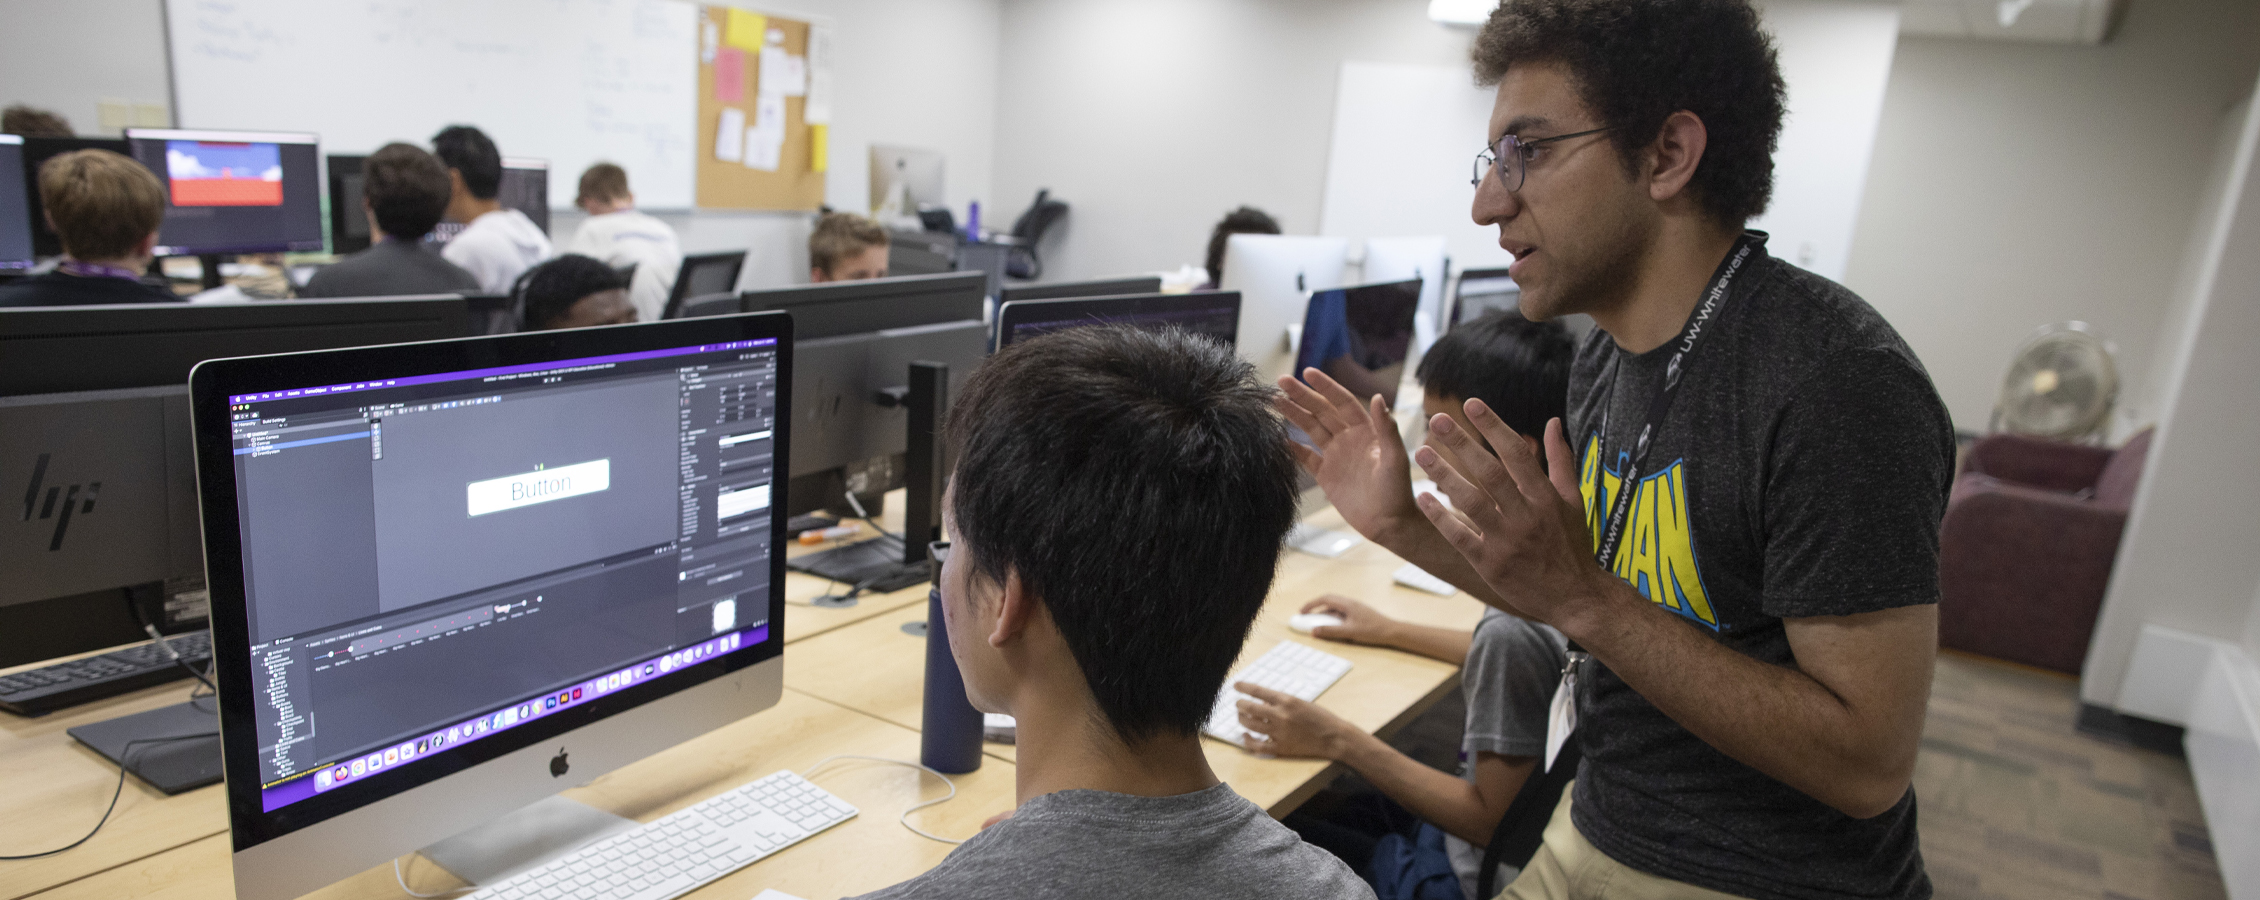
<point>1511,156</point>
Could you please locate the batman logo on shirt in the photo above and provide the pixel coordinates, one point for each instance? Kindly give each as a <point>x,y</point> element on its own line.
<point>1658,556</point>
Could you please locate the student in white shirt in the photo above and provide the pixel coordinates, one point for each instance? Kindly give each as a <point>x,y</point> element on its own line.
<point>619,236</point>
<point>497,244</point>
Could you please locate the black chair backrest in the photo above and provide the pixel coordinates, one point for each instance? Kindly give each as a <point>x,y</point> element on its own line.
<point>702,274</point>
<point>1523,828</point>
<point>711,305</point>
<point>1024,260</point>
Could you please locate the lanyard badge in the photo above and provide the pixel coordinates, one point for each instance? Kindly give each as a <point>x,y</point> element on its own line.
<point>1561,718</point>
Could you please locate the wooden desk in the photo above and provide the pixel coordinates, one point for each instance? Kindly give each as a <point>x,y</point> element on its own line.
<point>865,853</point>
<point>803,620</point>
<point>874,667</point>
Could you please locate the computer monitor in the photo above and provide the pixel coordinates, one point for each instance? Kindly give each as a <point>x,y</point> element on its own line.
<point>46,350</point>
<point>917,169</point>
<point>1105,287</point>
<point>1212,314</point>
<point>1275,275</point>
<point>1361,336</point>
<point>854,307</point>
<point>1481,291</point>
<point>234,191</point>
<point>93,406</point>
<point>37,151</point>
<point>1402,258</point>
<point>15,207</point>
<point>445,574</point>
<point>349,222</point>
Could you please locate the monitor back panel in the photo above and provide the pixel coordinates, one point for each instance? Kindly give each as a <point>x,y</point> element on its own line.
<point>48,350</point>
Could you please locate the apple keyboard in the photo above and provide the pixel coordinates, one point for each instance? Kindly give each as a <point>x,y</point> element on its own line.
<point>1289,668</point>
<point>674,855</point>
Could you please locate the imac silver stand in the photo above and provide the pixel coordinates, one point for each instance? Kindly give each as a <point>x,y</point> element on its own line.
<point>524,840</point>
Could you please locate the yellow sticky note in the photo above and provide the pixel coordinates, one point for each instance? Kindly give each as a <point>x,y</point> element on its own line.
<point>745,30</point>
<point>819,139</point>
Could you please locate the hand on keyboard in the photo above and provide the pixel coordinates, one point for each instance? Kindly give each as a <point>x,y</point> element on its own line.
<point>1288,668</point>
<point>1281,725</point>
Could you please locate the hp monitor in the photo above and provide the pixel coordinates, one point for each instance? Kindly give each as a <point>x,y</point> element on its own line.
<point>1361,336</point>
<point>1275,275</point>
<point>234,191</point>
<point>37,151</point>
<point>1213,314</point>
<point>443,574</point>
<point>1106,287</point>
<point>15,207</point>
<point>855,307</point>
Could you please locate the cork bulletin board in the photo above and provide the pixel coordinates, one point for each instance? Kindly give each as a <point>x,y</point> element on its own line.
<point>757,80</point>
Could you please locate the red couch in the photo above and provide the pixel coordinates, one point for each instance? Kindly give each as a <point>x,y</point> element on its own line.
<point>2026,549</point>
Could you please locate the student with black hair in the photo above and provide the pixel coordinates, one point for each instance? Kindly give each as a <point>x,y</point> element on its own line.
<point>1108,636</point>
<point>1423,833</point>
<point>1245,220</point>
<point>497,243</point>
<point>404,193</point>
<point>573,291</point>
<point>1737,523</point>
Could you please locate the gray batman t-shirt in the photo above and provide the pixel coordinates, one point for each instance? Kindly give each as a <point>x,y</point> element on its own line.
<point>1210,844</point>
<point>1802,471</point>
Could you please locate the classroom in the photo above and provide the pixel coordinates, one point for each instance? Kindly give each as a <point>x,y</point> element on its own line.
<point>1056,448</point>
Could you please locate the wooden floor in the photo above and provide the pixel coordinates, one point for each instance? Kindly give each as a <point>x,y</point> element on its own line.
<point>2016,804</point>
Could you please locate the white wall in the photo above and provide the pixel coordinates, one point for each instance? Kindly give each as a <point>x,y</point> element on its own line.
<point>917,72</point>
<point>1152,118</point>
<point>1836,57</point>
<point>68,57</point>
<point>2015,185</point>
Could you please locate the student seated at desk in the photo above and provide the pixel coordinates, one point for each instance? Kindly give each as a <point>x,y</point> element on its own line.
<point>405,192</point>
<point>619,236</point>
<point>1245,220</point>
<point>847,247</point>
<point>497,243</point>
<point>574,291</point>
<point>106,207</point>
<point>1424,834</point>
<point>1118,506</point>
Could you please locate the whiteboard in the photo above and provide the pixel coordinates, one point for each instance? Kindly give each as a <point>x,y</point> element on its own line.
<point>570,81</point>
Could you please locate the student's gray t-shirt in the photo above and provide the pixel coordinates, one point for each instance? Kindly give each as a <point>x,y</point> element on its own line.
<point>1512,667</point>
<point>1209,844</point>
<point>1801,472</point>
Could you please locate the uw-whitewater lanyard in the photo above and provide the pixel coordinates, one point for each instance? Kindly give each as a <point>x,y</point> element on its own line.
<point>1562,718</point>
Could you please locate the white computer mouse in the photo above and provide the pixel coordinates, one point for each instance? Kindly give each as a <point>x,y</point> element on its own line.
<point>1309,622</point>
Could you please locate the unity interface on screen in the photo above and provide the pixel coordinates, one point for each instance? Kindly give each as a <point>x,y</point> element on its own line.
<point>430,560</point>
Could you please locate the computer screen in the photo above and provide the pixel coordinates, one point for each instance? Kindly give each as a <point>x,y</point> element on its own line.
<point>349,223</point>
<point>1061,290</point>
<point>15,207</point>
<point>234,191</point>
<point>418,571</point>
<point>1361,336</point>
<point>37,151</point>
<point>1483,291</point>
<point>1213,314</point>
<point>1275,274</point>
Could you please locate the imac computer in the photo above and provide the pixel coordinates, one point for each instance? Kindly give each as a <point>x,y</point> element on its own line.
<point>15,207</point>
<point>1406,258</point>
<point>445,574</point>
<point>234,191</point>
<point>349,222</point>
<point>524,187</point>
<point>914,171</point>
<point>1275,275</point>
<point>94,429</point>
<point>37,151</point>
<point>1061,290</point>
<point>1211,314</point>
<point>866,413</point>
<point>1361,336</point>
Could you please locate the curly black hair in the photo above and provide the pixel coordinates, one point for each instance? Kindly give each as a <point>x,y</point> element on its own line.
<point>1635,62</point>
<point>548,291</point>
<point>1245,220</point>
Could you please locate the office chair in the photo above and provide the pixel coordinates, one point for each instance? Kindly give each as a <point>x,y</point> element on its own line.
<point>1021,261</point>
<point>710,305</point>
<point>703,274</point>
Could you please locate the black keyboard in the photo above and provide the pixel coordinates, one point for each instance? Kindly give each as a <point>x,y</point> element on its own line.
<point>37,692</point>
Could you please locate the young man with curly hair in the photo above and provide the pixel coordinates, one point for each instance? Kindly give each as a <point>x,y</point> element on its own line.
<point>1736,528</point>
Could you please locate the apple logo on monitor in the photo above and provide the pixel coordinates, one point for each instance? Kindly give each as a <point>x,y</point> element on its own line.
<point>557,764</point>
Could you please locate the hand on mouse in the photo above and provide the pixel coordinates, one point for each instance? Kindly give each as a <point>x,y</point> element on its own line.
<point>1360,623</point>
<point>1291,726</point>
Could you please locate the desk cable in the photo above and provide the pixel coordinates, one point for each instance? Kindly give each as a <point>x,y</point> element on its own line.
<point>124,753</point>
<point>905,817</point>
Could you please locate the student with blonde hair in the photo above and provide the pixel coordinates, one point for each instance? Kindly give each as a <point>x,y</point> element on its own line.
<point>106,207</point>
<point>847,247</point>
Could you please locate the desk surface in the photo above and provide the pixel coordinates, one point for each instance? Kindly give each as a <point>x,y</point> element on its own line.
<point>854,686</point>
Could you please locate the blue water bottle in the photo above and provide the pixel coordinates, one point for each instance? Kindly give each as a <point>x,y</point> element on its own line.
<point>949,735</point>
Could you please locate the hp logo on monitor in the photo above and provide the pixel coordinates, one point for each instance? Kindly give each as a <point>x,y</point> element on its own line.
<point>59,502</point>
